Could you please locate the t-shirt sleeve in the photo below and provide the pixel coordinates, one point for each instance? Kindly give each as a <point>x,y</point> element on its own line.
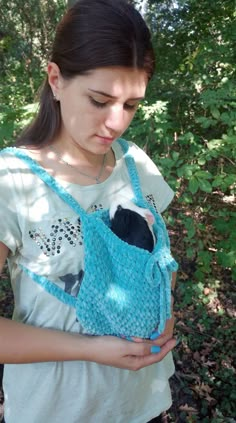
<point>10,233</point>
<point>154,187</point>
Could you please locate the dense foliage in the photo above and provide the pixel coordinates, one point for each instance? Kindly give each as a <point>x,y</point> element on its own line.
<point>188,125</point>
<point>190,116</point>
<point>26,31</point>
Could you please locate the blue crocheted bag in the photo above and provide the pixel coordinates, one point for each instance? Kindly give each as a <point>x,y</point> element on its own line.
<point>125,290</point>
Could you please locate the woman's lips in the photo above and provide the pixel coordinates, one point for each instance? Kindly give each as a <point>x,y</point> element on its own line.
<point>105,140</point>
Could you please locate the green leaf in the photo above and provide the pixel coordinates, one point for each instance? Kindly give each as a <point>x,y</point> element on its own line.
<point>201,161</point>
<point>215,112</point>
<point>193,185</point>
<point>215,144</point>
<point>187,170</point>
<point>191,232</point>
<point>217,182</point>
<point>175,155</point>
<point>204,258</point>
<point>190,252</point>
<point>202,174</point>
<point>227,259</point>
<point>204,185</point>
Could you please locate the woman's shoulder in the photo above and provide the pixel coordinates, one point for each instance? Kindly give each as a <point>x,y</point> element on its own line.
<point>9,160</point>
<point>142,160</point>
<point>123,146</point>
<point>9,153</point>
<point>152,182</point>
<point>7,157</point>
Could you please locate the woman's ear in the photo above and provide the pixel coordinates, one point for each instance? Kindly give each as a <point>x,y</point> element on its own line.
<point>54,77</point>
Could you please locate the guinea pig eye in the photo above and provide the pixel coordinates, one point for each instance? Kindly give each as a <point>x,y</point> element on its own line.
<point>119,207</point>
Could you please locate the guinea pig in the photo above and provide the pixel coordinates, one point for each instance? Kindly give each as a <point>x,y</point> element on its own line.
<point>132,224</point>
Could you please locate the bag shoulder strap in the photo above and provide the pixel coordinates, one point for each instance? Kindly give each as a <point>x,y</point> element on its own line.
<point>133,172</point>
<point>47,179</point>
<point>62,193</point>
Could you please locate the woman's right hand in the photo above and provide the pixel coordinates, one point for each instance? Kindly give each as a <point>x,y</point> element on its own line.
<point>22,343</point>
<point>117,352</point>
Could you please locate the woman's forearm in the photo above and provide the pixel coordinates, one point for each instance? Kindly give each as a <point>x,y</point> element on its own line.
<point>21,343</point>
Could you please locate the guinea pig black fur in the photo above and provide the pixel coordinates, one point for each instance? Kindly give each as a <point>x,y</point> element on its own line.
<point>133,224</point>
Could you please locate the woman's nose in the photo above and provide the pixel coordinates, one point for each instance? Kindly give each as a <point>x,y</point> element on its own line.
<point>115,119</point>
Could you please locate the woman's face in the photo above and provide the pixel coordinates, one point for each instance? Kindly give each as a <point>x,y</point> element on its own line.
<point>97,108</point>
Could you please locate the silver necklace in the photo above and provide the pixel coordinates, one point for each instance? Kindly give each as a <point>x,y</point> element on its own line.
<point>94,178</point>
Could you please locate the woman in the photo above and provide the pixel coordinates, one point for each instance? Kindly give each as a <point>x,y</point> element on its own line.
<point>101,62</point>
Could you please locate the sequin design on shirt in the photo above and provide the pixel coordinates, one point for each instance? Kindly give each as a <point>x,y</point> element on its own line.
<point>95,207</point>
<point>62,231</point>
<point>65,231</point>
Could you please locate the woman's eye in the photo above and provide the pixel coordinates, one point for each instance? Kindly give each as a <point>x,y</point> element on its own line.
<point>97,103</point>
<point>130,106</point>
<point>100,104</point>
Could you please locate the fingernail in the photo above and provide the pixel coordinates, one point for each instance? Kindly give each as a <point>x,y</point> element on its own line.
<point>154,335</point>
<point>155,349</point>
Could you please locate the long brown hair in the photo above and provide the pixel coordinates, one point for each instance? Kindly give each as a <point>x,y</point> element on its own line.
<point>92,34</point>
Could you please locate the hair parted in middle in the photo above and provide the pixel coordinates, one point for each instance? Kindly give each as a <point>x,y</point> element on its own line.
<point>102,33</point>
<point>92,34</point>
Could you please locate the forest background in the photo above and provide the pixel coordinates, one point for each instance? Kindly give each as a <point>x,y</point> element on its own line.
<point>187,124</point>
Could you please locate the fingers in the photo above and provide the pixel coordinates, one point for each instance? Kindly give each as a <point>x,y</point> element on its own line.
<point>163,339</point>
<point>154,340</point>
<point>146,348</point>
<point>116,352</point>
<point>137,362</point>
<point>164,350</point>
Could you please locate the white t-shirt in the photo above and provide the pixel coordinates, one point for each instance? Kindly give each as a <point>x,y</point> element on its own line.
<point>42,232</point>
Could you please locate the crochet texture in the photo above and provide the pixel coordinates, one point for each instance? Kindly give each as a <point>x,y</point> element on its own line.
<point>126,290</point>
